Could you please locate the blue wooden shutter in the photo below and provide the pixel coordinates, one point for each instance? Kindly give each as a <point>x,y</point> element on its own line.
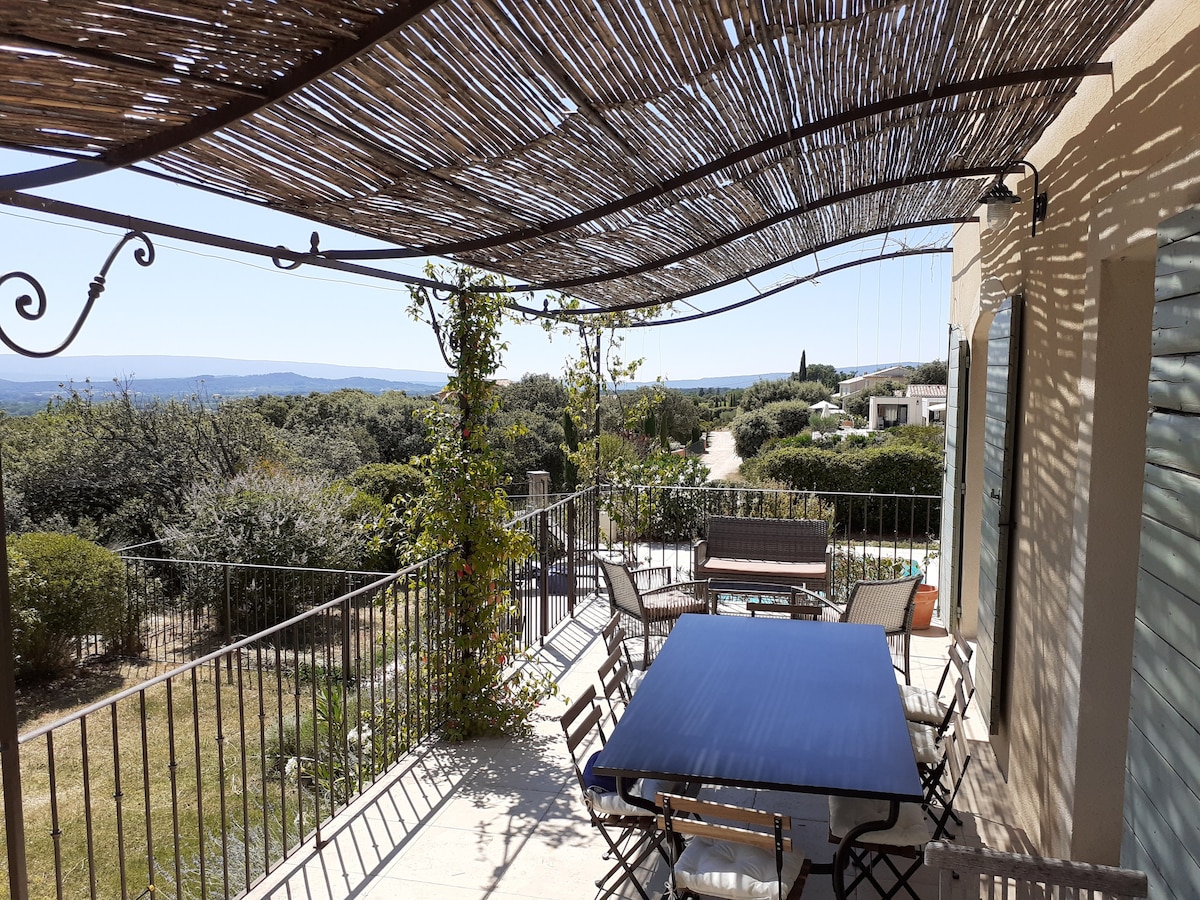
<point>1003,367</point>
<point>950,542</point>
<point>1162,766</point>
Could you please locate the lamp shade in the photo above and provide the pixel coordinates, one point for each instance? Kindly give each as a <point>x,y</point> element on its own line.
<point>1000,202</point>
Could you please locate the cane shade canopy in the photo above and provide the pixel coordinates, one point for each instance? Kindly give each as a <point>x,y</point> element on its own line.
<point>625,151</point>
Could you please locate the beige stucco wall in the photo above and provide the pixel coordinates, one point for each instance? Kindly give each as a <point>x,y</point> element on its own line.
<point>1124,155</point>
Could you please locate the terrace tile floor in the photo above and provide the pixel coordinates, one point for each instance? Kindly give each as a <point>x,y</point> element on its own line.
<point>502,818</point>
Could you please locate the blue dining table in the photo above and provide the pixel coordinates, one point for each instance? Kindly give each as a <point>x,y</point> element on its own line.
<point>771,704</point>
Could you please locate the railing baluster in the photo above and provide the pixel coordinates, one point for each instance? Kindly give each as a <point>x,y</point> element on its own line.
<point>87,807</point>
<point>221,774</point>
<point>173,775</point>
<point>199,783</point>
<point>55,828</point>
<point>262,756</point>
<point>151,872</point>
<point>247,835</point>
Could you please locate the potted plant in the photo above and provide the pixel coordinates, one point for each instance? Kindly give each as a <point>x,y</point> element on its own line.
<point>927,596</point>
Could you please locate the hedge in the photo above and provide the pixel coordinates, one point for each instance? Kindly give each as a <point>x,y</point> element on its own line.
<point>887,469</point>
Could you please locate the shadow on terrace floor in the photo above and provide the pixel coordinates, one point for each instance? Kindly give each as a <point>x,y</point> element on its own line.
<point>502,819</point>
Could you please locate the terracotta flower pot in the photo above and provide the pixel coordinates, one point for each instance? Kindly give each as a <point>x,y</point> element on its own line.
<point>927,595</point>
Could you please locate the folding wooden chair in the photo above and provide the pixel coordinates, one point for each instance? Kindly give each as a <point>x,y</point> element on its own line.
<point>919,823</point>
<point>732,861</point>
<point>631,832</point>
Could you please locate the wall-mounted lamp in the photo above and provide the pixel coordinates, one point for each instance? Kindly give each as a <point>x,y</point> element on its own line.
<point>1000,201</point>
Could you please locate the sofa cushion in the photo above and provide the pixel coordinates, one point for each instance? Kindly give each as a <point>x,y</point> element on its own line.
<point>784,571</point>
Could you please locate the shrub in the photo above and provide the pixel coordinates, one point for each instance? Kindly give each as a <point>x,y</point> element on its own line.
<point>931,437</point>
<point>751,430</point>
<point>387,481</point>
<point>657,515</point>
<point>884,469</point>
<point>64,589</point>
<point>269,518</point>
<point>791,416</point>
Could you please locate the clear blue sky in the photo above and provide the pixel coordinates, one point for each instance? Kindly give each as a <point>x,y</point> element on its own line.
<point>196,301</point>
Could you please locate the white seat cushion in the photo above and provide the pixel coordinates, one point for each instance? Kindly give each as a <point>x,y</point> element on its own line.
<point>610,802</point>
<point>734,871</point>
<point>912,829</point>
<point>924,743</point>
<point>922,705</point>
<point>782,572</point>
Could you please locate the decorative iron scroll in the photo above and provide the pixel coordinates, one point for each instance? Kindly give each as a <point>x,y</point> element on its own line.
<point>314,249</point>
<point>32,310</point>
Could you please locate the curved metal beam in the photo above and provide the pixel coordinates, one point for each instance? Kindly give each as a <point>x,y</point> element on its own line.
<point>952,89</point>
<point>796,282</point>
<point>696,250</point>
<point>149,226</point>
<point>564,315</point>
<point>828,245</point>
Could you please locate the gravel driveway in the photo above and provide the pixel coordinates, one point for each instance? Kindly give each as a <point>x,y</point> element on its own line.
<point>721,459</point>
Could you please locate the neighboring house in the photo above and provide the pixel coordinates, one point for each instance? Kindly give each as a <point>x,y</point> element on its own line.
<point>1075,550</point>
<point>922,404</point>
<point>851,386</point>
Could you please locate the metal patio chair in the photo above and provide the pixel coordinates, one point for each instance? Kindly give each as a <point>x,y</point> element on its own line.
<point>631,833</point>
<point>888,603</point>
<point>646,600</point>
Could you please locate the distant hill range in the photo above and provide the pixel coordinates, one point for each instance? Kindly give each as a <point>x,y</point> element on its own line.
<point>27,385</point>
<point>730,382</point>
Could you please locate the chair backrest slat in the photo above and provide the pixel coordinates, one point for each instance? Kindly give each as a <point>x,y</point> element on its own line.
<point>580,719</point>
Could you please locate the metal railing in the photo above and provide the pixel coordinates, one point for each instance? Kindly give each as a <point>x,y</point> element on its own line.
<point>548,584</point>
<point>871,535</point>
<point>184,608</point>
<point>199,782</point>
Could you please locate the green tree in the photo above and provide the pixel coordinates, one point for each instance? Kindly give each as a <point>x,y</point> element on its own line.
<point>761,393</point>
<point>791,416</point>
<point>934,372</point>
<point>752,430</point>
<point>270,517</point>
<point>826,375</point>
<point>119,467</point>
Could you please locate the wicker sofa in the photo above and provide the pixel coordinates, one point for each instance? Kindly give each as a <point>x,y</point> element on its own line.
<point>765,551</point>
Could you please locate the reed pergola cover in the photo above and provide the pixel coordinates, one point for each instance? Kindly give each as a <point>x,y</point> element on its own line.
<point>623,151</point>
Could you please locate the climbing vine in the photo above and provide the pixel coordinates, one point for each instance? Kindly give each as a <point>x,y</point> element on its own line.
<point>464,510</point>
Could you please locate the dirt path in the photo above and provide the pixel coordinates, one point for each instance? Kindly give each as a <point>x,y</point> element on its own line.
<point>721,459</point>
